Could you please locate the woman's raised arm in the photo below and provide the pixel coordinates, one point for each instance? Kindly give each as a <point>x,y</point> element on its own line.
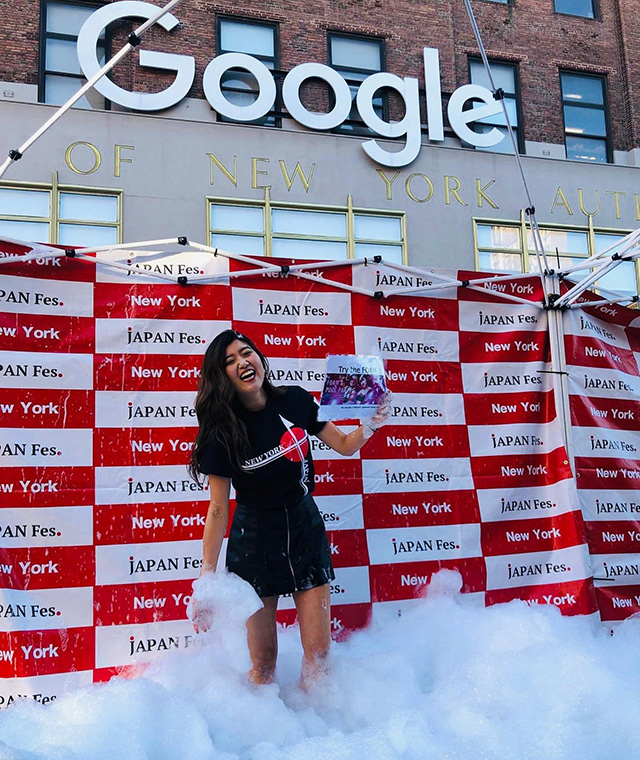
<point>348,443</point>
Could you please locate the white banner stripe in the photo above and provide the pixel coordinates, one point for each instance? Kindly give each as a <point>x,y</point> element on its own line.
<point>34,447</point>
<point>56,298</point>
<point>406,344</point>
<point>25,369</point>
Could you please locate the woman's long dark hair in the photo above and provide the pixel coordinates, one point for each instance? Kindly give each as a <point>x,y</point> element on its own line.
<point>215,403</point>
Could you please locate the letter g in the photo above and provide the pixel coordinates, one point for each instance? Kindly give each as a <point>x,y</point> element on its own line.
<point>183,65</point>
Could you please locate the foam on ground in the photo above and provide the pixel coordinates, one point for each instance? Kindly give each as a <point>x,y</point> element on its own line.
<point>446,681</point>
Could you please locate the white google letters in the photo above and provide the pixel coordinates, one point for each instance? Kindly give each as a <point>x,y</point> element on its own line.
<point>183,65</point>
<point>407,88</point>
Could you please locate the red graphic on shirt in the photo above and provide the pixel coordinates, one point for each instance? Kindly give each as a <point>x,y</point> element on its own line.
<point>294,444</point>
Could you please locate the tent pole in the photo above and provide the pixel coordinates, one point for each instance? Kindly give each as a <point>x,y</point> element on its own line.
<point>559,370</point>
<point>134,40</point>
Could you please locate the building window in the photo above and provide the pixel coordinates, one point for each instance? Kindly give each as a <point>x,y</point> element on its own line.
<point>65,215</point>
<point>499,246</point>
<point>258,228</point>
<point>356,58</point>
<point>584,104</point>
<point>622,279</point>
<point>505,77</point>
<point>254,38</point>
<point>60,75</point>
<point>500,2</point>
<point>584,8</point>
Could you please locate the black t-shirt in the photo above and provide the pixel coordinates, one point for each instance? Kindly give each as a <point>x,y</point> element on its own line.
<point>279,470</point>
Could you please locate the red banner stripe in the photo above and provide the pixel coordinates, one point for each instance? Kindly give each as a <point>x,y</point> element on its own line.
<point>102,675</point>
<point>166,301</point>
<point>613,537</point>
<point>417,441</point>
<point>143,446</point>
<point>520,471</point>
<point>529,288</point>
<point>385,510</point>
<point>591,352</point>
<point>46,332</point>
<point>47,567</point>
<point>345,619</point>
<point>423,377</point>
<point>289,282</point>
<point>59,268</point>
<point>572,598</point>
<point>542,534</point>
<point>348,548</point>
<point>141,602</point>
<point>418,313</point>
<point>337,476</point>
<point>39,653</point>
<point>144,523</point>
<point>46,486</point>
<point>504,347</point>
<point>509,408</point>
<point>618,602</point>
<point>612,413</point>
<point>409,581</point>
<point>146,372</point>
<point>35,408</point>
<point>309,340</point>
<point>605,473</point>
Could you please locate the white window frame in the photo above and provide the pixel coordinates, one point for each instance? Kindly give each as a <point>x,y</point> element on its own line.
<point>267,235</point>
<point>55,191</point>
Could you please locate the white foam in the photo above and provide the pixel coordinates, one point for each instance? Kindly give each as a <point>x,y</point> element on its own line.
<point>445,680</point>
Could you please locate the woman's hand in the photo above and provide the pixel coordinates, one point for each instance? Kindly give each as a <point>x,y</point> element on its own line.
<point>382,414</point>
<point>215,527</point>
<point>201,617</point>
<point>200,613</point>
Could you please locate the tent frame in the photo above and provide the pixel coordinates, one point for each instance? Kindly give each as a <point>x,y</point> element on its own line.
<point>551,282</point>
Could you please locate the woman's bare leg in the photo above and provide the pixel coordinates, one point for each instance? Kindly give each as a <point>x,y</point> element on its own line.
<point>263,642</point>
<point>314,618</point>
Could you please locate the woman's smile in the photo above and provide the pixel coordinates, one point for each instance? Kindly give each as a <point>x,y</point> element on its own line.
<point>246,373</point>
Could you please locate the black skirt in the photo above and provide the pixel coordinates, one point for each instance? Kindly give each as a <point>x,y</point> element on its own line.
<point>279,551</point>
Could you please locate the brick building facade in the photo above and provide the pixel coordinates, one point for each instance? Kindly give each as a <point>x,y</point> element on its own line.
<point>570,70</point>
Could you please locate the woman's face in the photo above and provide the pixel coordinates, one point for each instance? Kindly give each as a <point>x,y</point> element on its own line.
<point>244,369</point>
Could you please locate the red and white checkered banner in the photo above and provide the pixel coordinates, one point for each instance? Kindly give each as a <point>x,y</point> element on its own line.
<point>101,526</point>
<point>602,345</point>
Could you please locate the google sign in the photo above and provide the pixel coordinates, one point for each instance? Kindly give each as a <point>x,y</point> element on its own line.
<point>407,88</point>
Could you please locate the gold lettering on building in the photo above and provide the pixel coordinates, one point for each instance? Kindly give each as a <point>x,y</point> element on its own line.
<point>452,187</point>
<point>561,200</point>
<point>581,203</point>
<point>481,193</point>
<point>118,159</point>
<point>297,172</point>
<point>255,171</point>
<point>411,194</point>
<point>388,181</point>
<point>69,161</point>
<point>636,198</point>
<point>616,200</point>
<point>215,161</point>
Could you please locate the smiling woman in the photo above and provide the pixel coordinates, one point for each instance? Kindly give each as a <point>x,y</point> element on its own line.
<point>256,436</point>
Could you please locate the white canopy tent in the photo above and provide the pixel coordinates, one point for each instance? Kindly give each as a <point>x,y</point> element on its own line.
<point>554,302</point>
